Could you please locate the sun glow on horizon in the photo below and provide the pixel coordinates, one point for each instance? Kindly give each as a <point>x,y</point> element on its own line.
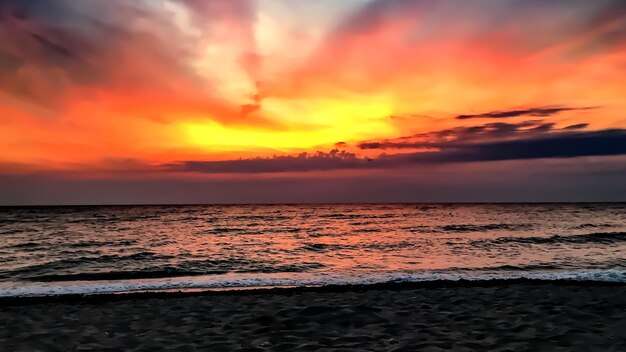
<point>301,124</point>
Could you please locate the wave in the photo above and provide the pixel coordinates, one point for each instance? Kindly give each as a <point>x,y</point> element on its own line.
<point>68,270</point>
<point>268,217</point>
<point>226,231</point>
<point>247,281</point>
<point>326,247</point>
<point>321,247</point>
<point>111,218</point>
<point>340,216</point>
<point>72,263</point>
<point>617,263</point>
<point>121,275</point>
<point>516,268</point>
<point>483,228</point>
<point>26,246</point>
<point>601,238</point>
<point>591,226</point>
<point>121,243</point>
<point>10,231</point>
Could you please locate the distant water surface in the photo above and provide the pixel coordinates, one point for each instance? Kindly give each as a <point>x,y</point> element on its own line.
<point>56,250</point>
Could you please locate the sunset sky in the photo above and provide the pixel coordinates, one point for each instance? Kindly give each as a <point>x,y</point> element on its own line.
<point>239,101</point>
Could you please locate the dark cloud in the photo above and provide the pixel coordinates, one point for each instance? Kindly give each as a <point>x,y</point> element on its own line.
<point>599,22</point>
<point>504,141</point>
<point>45,55</point>
<point>58,45</point>
<point>459,135</point>
<point>546,145</point>
<point>376,13</point>
<point>533,145</point>
<point>562,145</point>
<point>579,126</point>
<point>241,9</point>
<point>537,112</point>
<point>50,50</point>
<point>320,161</point>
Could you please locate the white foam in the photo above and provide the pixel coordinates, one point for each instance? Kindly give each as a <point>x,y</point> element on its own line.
<point>248,281</point>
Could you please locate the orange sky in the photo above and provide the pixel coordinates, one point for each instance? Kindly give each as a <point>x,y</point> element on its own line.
<point>110,85</point>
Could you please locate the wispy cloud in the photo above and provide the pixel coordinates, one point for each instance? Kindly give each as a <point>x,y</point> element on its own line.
<point>537,112</point>
<point>464,134</point>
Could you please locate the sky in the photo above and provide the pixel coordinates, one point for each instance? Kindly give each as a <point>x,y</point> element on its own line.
<point>283,101</point>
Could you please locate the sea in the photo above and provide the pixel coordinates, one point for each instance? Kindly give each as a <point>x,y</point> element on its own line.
<point>121,249</point>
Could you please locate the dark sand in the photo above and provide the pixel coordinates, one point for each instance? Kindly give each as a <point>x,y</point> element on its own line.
<point>498,317</point>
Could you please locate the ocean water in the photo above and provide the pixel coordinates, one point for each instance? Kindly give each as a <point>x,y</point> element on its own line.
<point>104,249</point>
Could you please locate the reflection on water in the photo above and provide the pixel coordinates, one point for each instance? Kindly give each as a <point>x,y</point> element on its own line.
<point>116,243</point>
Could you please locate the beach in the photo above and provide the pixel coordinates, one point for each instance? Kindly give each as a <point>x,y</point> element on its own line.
<point>292,175</point>
<point>496,315</point>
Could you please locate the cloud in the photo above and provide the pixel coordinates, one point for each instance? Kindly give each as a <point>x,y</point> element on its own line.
<point>578,126</point>
<point>230,23</point>
<point>462,148</point>
<point>557,144</point>
<point>560,21</point>
<point>419,38</point>
<point>538,112</point>
<point>320,161</point>
<point>136,57</point>
<point>157,79</point>
<point>464,134</point>
<point>562,145</point>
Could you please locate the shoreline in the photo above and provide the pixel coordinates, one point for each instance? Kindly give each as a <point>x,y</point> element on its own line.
<point>289,290</point>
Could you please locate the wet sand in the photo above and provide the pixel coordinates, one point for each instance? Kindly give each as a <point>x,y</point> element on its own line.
<point>521,316</point>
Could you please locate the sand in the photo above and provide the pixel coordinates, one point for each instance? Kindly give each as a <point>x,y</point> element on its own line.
<point>436,317</point>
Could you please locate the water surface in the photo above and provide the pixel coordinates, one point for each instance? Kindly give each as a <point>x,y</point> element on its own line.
<point>52,250</point>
